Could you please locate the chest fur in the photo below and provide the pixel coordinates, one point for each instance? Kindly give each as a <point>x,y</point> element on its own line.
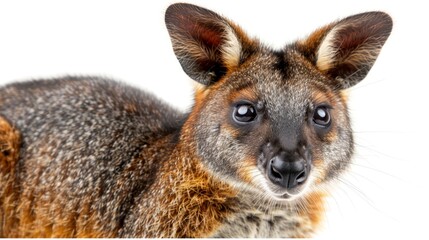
<point>272,224</point>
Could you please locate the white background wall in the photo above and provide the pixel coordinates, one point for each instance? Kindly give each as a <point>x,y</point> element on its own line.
<point>385,192</point>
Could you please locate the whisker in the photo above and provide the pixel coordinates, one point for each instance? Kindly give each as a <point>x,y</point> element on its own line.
<point>376,170</point>
<point>337,205</point>
<point>357,190</point>
<point>354,174</point>
<point>366,199</point>
<point>378,152</point>
<point>357,133</point>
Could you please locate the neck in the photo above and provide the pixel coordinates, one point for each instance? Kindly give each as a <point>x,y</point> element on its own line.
<point>185,200</point>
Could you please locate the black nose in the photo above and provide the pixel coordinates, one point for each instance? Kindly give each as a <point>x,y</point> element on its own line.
<point>287,173</point>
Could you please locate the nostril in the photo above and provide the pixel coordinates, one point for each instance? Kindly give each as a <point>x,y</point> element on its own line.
<point>301,177</point>
<point>274,172</point>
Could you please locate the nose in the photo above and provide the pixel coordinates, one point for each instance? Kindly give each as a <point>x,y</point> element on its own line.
<point>287,171</point>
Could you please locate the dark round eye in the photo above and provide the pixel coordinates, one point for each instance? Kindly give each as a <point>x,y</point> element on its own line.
<point>321,116</point>
<point>244,113</point>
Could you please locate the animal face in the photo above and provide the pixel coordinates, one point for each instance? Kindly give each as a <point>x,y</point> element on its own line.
<point>277,130</point>
<point>273,121</point>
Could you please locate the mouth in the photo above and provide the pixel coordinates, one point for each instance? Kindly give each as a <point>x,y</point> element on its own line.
<point>281,193</point>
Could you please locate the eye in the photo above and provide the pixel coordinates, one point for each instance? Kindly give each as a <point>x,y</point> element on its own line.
<point>321,116</point>
<point>244,113</point>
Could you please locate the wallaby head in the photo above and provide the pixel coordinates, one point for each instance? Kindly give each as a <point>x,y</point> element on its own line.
<point>273,121</point>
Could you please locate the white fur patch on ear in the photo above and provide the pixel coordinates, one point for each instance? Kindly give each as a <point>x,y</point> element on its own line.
<point>326,54</point>
<point>231,49</point>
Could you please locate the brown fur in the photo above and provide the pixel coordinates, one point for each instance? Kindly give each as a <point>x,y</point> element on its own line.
<point>9,154</point>
<point>202,204</point>
<point>95,158</point>
<point>314,209</point>
<point>194,204</point>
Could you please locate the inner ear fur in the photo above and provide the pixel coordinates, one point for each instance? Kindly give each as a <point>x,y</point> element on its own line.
<point>346,50</point>
<point>206,44</point>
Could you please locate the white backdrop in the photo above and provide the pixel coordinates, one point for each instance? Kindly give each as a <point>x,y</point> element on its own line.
<point>385,192</point>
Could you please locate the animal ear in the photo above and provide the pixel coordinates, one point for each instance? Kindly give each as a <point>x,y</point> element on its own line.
<point>346,50</point>
<point>206,44</point>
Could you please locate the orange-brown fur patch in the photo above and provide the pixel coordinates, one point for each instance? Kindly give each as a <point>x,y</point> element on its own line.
<point>320,97</point>
<point>344,96</point>
<point>246,166</point>
<point>9,145</point>
<point>314,208</point>
<point>130,107</point>
<point>9,154</point>
<point>243,94</point>
<point>233,132</point>
<point>204,201</point>
<point>321,170</point>
<point>331,136</point>
<point>201,93</point>
<point>195,203</point>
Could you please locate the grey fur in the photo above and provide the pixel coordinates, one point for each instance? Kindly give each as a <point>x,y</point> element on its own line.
<point>99,158</point>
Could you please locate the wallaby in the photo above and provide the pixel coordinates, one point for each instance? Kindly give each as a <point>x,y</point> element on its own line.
<point>269,129</point>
